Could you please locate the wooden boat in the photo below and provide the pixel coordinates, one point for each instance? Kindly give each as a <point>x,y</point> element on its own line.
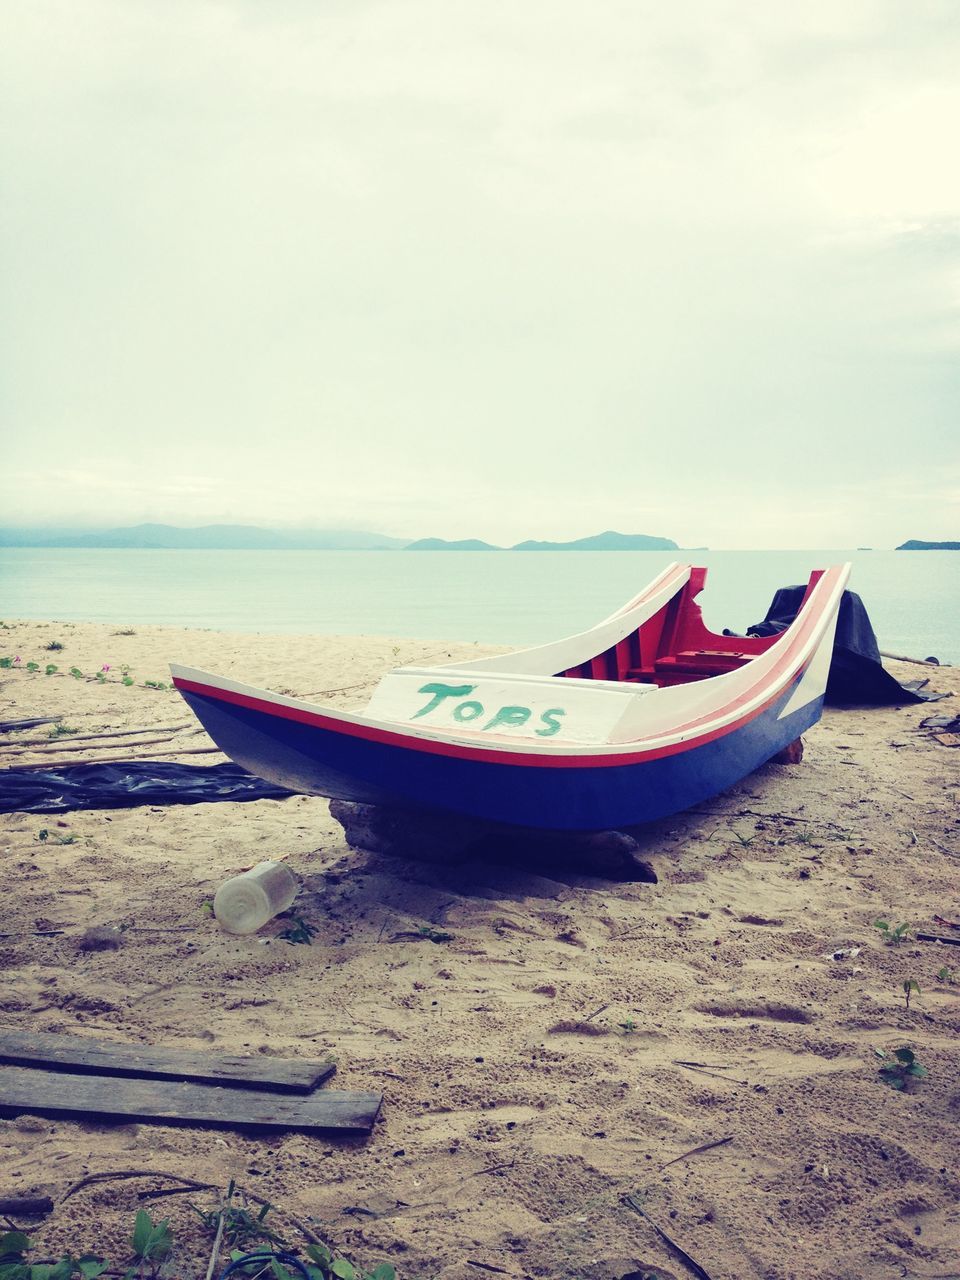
<point>644,715</point>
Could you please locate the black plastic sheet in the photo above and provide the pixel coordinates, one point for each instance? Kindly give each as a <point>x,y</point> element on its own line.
<point>126,784</point>
<point>857,675</point>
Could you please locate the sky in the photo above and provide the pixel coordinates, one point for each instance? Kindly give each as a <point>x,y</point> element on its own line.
<point>483,268</point>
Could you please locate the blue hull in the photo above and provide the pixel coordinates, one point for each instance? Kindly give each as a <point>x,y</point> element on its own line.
<point>315,760</point>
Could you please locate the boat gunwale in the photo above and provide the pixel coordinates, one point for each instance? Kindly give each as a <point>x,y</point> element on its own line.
<point>793,651</point>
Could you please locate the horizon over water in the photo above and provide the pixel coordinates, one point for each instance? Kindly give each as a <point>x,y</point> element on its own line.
<point>518,599</point>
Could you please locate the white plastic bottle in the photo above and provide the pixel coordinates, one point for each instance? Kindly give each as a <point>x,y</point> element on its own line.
<point>245,903</point>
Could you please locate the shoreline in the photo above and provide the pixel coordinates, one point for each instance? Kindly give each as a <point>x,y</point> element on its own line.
<point>541,1064</point>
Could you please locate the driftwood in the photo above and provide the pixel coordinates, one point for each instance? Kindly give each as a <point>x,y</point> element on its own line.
<point>91,737</point>
<point>452,838</point>
<point>173,1102</point>
<point>920,662</point>
<point>146,755</point>
<point>26,1206</point>
<point>86,1054</point>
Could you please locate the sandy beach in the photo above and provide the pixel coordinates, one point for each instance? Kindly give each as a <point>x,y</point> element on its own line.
<point>572,1042</point>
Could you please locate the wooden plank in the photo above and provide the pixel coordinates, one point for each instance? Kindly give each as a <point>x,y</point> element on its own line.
<point>172,1102</point>
<point>85,1055</point>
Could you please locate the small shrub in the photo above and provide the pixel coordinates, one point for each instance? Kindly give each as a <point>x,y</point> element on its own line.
<point>50,669</point>
<point>892,936</point>
<point>300,931</point>
<point>909,987</point>
<point>434,935</point>
<point>901,1070</point>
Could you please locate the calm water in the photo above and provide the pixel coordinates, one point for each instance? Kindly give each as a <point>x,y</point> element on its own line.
<point>913,598</point>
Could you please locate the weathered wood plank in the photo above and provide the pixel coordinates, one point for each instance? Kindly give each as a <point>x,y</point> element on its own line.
<point>85,1055</point>
<point>172,1102</point>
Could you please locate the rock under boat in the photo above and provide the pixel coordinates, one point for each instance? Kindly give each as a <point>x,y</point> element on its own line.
<point>642,716</point>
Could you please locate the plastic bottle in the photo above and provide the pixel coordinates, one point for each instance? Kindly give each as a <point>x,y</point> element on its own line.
<point>245,903</point>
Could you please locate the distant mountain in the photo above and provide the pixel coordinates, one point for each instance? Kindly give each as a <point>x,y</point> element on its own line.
<point>441,544</point>
<point>211,537</point>
<point>915,545</point>
<point>609,541</point>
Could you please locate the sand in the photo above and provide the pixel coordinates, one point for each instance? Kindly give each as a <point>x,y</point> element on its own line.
<point>531,1065</point>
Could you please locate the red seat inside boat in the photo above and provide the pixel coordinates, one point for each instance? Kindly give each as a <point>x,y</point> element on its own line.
<point>674,647</point>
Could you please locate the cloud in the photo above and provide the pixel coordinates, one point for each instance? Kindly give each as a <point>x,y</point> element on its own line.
<point>495,268</point>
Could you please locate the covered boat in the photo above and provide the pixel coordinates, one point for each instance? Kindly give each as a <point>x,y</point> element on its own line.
<point>642,716</point>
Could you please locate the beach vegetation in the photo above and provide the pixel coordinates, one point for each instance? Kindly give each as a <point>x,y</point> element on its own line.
<point>300,931</point>
<point>50,669</point>
<point>434,935</point>
<point>155,684</point>
<point>128,631</point>
<point>76,673</point>
<point>892,935</point>
<point>54,646</point>
<point>152,1242</point>
<point>901,1068</point>
<point>126,680</point>
<point>245,1231</point>
<point>909,986</point>
<point>241,1227</point>
<point>33,666</point>
<point>61,730</point>
<point>6,663</point>
<point>629,1026</point>
<point>946,974</point>
<point>14,1245</point>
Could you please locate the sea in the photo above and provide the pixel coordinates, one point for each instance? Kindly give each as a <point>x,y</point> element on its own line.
<point>502,598</point>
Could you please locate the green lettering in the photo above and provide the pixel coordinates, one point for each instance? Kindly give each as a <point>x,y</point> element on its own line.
<point>468,711</point>
<point>509,715</point>
<point>441,691</point>
<point>549,718</point>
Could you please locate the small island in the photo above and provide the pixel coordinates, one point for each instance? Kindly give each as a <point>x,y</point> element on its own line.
<point>609,541</point>
<point>915,545</point>
<point>441,544</point>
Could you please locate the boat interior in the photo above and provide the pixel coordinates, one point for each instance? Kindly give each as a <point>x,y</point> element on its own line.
<point>673,646</point>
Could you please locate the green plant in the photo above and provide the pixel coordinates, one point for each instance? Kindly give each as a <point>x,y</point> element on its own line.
<point>328,1266</point>
<point>155,684</point>
<point>76,673</point>
<point>900,1070</point>
<point>127,680</point>
<point>14,1265</point>
<point>50,668</point>
<point>434,935</point>
<point>151,1243</point>
<point>33,666</point>
<point>946,974</point>
<point>6,663</point>
<point>892,936</point>
<point>54,646</point>
<point>101,677</point>
<point>240,1227</point>
<point>628,1027</point>
<point>745,841</point>
<point>62,730</point>
<point>300,931</point>
<point>909,986</point>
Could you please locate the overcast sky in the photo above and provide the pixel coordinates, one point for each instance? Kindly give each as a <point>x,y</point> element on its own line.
<point>531,268</point>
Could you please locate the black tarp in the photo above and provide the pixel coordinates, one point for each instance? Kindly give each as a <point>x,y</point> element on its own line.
<point>126,784</point>
<point>857,675</point>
